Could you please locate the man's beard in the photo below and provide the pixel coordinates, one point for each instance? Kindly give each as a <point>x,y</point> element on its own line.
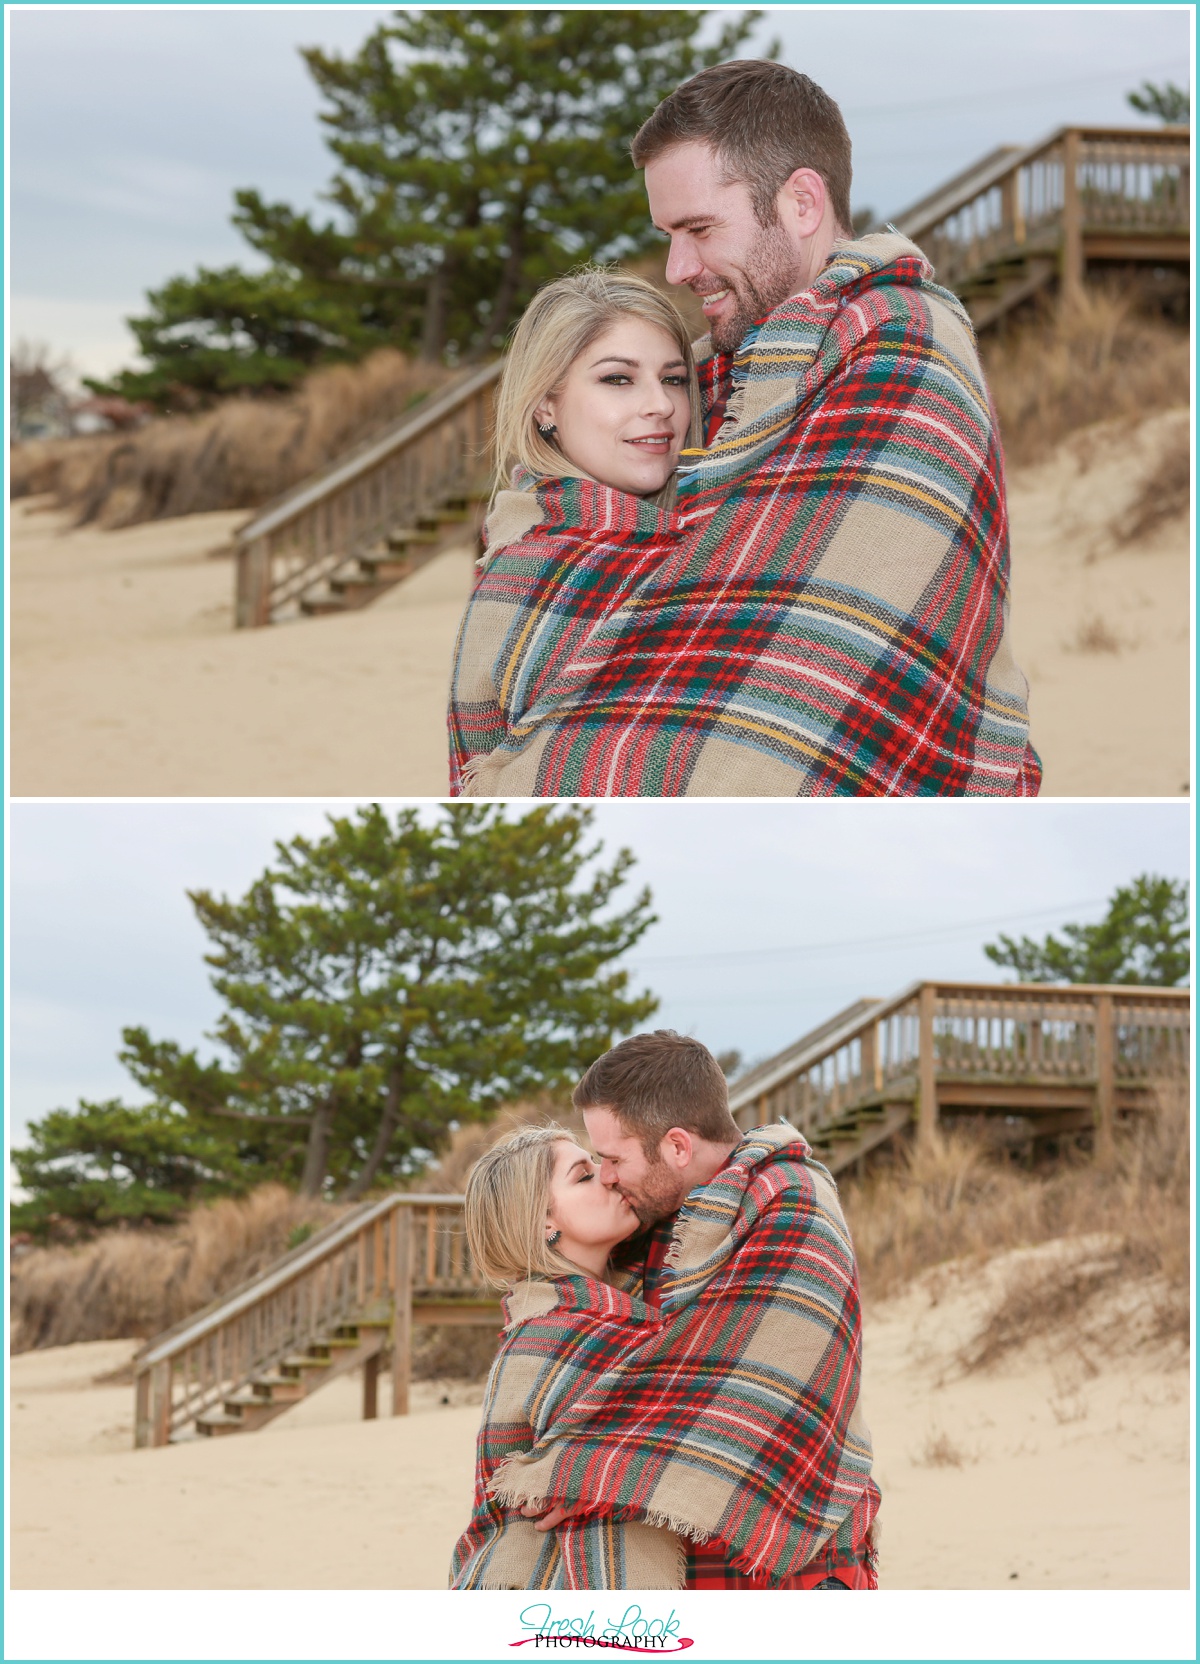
<point>771,274</point>
<point>659,1194</point>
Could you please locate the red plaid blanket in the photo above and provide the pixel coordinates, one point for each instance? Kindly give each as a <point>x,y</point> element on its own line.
<point>826,614</point>
<point>728,1416</point>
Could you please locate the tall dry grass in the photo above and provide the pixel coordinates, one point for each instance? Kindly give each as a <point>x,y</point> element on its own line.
<point>135,1283</point>
<point>1098,359</point>
<point>1124,1235</point>
<point>1120,1228</point>
<point>239,455</point>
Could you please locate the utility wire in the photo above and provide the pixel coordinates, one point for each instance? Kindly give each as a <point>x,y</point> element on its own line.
<point>971,99</point>
<point>866,941</point>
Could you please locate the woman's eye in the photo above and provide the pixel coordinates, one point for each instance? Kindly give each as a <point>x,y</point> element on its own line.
<point>616,379</point>
<point>674,381</point>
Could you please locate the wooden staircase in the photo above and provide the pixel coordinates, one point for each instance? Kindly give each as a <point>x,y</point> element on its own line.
<point>370,519</point>
<point>345,1300</point>
<point>403,551</point>
<point>357,1344</point>
<point>1035,1061</point>
<point>1021,220</point>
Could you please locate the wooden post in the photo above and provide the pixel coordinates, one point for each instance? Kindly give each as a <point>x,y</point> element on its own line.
<point>871,1068</point>
<point>1106,1081</point>
<point>160,1411</point>
<point>1010,206</point>
<point>402,1312</point>
<point>253,605</point>
<point>927,1109</point>
<point>143,1428</point>
<point>1072,249</point>
<point>371,1387</point>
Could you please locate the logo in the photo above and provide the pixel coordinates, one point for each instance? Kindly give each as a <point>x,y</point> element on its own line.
<point>633,1631</point>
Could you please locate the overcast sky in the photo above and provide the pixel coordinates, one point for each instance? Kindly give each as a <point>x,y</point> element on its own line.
<point>773,916</point>
<point>130,129</point>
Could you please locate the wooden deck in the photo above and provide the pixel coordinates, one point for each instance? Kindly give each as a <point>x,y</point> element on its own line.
<point>1086,198</point>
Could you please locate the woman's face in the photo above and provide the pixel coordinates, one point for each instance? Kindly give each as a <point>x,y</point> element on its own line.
<point>622,411</point>
<point>590,1215</point>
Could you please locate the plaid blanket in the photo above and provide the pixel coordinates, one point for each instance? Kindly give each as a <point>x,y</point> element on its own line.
<point>825,614</point>
<point>730,1413</point>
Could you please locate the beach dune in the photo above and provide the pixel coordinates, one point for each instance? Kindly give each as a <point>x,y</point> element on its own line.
<point>1042,1475</point>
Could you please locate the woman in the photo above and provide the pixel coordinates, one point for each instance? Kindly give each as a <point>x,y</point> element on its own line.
<point>583,1357</point>
<point>542,1226</point>
<point>598,399</point>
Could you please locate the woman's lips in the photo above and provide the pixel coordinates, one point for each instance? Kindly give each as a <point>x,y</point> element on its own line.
<point>657,444</point>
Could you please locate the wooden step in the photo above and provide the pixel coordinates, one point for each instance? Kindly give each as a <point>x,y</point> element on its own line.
<point>400,538</point>
<point>386,569</point>
<point>279,1389</point>
<point>322,608</point>
<point>215,1424</point>
<point>357,592</point>
<point>444,517</point>
<point>303,1361</point>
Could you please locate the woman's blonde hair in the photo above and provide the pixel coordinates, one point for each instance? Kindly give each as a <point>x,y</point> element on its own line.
<point>507,1196</point>
<point>561,321</point>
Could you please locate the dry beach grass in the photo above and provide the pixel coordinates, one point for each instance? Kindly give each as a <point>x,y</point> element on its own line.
<point>239,455</point>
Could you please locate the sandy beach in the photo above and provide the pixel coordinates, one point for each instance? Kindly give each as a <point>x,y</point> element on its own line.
<point>128,678</point>
<point>1045,1474</point>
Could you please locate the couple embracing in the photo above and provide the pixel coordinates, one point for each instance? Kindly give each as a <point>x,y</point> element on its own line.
<point>675,1401</point>
<point>772,566</point>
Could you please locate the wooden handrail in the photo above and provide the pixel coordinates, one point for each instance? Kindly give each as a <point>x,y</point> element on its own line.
<point>984,175</point>
<point>1018,218</point>
<point>292,548</point>
<point>1032,1036</point>
<point>358,1271</point>
<point>292,1265</point>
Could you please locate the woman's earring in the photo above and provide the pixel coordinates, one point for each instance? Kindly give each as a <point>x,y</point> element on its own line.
<point>552,1239</point>
<point>547,430</point>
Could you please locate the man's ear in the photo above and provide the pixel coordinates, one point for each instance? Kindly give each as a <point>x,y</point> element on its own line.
<point>802,199</point>
<point>677,1147</point>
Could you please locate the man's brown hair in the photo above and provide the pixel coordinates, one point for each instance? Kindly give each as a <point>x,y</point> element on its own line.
<point>653,1082</point>
<point>764,121</point>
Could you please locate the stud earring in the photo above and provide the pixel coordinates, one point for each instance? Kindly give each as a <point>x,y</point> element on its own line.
<point>552,1239</point>
<point>547,430</point>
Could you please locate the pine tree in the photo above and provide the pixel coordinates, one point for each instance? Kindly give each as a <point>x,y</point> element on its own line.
<point>480,154</point>
<point>1143,938</point>
<point>380,984</point>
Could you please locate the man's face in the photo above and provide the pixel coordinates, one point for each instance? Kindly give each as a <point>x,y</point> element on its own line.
<point>740,268</point>
<point>652,1188</point>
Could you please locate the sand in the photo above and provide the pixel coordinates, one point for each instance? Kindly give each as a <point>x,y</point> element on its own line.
<point>1039,1475</point>
<point>1100,629</point>
<point>128,678</point>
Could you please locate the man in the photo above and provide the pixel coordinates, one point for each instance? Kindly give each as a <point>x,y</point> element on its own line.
<point>768,1331</point>
<point>836,623</point>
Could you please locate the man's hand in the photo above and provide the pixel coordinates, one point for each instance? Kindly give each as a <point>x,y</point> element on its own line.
<point>549,1520</point>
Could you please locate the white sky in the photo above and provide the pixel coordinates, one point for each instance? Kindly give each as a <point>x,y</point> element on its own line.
<point>773,916</point>
<point>130,129</point>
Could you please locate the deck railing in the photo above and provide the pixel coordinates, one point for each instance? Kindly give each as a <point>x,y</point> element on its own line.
<point>297,543</point>
<point>936,1040</point>
<point>404,1258</point>
<point>1106,192</point>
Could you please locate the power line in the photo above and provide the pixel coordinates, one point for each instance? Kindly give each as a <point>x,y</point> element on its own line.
<point>856,111</point>
<point>938,931</point>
